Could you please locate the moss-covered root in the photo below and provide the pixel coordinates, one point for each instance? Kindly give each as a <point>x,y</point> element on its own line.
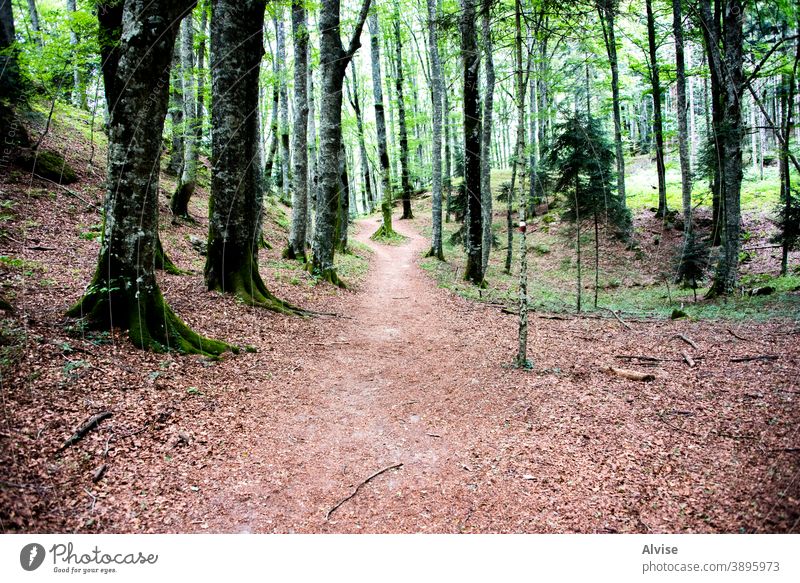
<point>434,253</point>
<point>383,232</point>
<point>163,262</point>
<point>247,285</point>
<point>151,323</point>
<point>291,254</point>
<point>328,275</point>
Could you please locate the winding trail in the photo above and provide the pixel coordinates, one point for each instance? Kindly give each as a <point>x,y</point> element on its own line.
<point>415,375</point>
<point>368,391</point>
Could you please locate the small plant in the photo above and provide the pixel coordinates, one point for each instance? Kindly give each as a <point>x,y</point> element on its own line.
<point>194,391</point>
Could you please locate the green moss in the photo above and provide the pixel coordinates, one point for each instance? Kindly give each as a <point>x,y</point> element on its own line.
<point>48,164</point>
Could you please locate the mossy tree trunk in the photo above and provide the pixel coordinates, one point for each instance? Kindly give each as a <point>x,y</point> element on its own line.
<point>124,292</point>
<point>380,127</point>
<point>486,139</point>
<point>297,236</point>
<point>472,143</point>
<point>9,63</point>
<point>436,157</point>
<point>343,220</point>
<point>236,180</point>
<point>405,182</point>
<point>333,65</point>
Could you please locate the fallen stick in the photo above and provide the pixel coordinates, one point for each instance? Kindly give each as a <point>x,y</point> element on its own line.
<point>632,374</point>
<point>759,357</point>
<point>70,192</point>
<point>637,357</point>
<point>620,320</point>
<point>92,423</point>
<point>687,340</point>
<point>358,487</point>
<point>688,359</point>
<point>735,335</point>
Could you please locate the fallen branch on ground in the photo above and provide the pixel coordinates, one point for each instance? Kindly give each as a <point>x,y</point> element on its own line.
<point>620,320</point>
<point>358,487</point>
<point>735,335</point>
<point>687,340</point>
<point>758,357</point>
<point>92,423</point>
<point>688,359</point>
<point>632,374</point>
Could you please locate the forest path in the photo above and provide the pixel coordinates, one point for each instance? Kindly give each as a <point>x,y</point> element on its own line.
<point>363,408</point>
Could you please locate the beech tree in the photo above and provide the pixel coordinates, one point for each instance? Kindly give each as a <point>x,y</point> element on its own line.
<point>334,59</point>
<point>470,56</point>
<point>380,128</point>
<point>124,292</point>
<point>236,181</point>
<point>436,156</point>
<point>297,235</point>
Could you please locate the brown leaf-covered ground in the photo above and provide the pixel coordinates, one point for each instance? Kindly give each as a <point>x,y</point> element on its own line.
<point>408,373</point>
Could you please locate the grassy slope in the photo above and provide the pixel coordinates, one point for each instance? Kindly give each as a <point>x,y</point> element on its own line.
<point>636,282</point>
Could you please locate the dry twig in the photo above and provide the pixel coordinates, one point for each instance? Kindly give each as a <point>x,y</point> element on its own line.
<point>358,487</point>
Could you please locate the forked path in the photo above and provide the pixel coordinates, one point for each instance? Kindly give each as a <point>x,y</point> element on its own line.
<point>367,400</point>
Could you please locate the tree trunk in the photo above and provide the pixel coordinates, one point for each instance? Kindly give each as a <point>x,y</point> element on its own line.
<point>522,351</point>
<point>683,133</point>
<point>729,69</point>
<point>78,90</point>
<point>312,156</point>
<point>472,143</point>
<point>486,141</point>
<point>606,10</point>
<point>9,64</point>
<point>188,178</point>
<point>235,207</point>
<point>297,235</point>
<point>380,126</point>
<point>176,108</point>
<point>436,157</point>
<point>401,118</point>
<point>201,74</point>
<point>355,101</point>
<point>448,157</point>
<point>786,181</point>
<point>124,291</point>
<point>284,107</point>
<point>343,217</point>
<point>333,64</point>
<point>658,126</point>
<point>34,16</point>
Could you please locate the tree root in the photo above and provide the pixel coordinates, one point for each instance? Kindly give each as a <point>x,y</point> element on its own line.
<point>164,263</point>
<point>328,275</point>
<point>247,285</point>
<point>151,323</point>
<point>434,253</point>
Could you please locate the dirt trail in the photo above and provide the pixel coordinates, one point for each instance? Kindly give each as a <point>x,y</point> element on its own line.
<point>363,413</point>
<point>416,375</point>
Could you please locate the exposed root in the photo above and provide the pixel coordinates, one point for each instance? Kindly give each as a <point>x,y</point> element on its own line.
<point>434,253</point>
<point>328,275</point>
<point>163,262</point>
<point>151,323</point>
<point>247,285</point>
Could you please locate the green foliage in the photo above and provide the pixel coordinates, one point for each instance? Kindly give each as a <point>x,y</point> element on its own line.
<point>582,160</point>
<point>788,220</point>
